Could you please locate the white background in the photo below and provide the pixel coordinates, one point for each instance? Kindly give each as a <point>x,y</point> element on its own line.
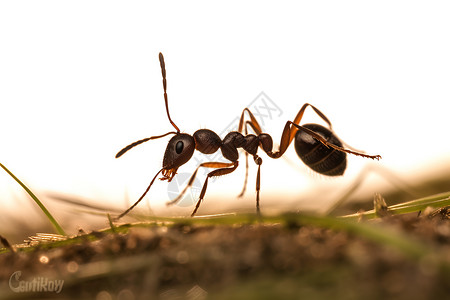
<point>80,80</point>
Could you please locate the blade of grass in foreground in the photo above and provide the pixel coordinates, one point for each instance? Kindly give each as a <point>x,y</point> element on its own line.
<point>434,201</point>
<point>38,202</point>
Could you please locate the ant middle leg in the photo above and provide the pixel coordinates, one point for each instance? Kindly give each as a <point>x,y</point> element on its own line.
<point>244,188</point>
<point>258,161</point>
<point>289,131</point>
<point>257,130</point>
<point>243,128</point>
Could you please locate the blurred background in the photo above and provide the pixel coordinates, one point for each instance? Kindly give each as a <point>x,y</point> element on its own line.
<point>81,80</point>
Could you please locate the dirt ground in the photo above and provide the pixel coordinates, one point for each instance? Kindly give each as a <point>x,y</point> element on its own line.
<point>283,260</point>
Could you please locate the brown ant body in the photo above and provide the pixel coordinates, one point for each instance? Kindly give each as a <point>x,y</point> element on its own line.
<point>317,146</point>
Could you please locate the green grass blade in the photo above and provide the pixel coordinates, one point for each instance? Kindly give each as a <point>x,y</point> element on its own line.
<point>434,201</point>
<point>38,202</point>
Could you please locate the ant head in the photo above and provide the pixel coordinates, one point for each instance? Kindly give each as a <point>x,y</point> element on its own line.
<point>179,151</point>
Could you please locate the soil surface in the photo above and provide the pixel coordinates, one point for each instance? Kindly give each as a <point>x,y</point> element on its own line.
<point>243,261</point>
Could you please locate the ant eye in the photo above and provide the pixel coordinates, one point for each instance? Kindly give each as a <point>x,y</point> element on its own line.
<point>179,147</point>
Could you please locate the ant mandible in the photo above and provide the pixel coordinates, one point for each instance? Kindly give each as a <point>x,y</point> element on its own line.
<point>317,146</point>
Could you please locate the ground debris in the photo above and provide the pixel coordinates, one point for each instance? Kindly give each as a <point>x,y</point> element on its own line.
<point>248,260</point>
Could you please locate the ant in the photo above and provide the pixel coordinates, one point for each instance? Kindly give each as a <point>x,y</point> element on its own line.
<point>317,146</point>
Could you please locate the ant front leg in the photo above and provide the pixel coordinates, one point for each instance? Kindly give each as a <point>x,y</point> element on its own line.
<point>224,168</point>
<point>191,180</point>
<point>218,172</point>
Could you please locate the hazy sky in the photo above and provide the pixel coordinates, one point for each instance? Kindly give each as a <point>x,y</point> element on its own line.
<point>80,80</point>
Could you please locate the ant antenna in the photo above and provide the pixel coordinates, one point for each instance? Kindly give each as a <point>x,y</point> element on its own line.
<point>163,71</point>
<point>140,198</point>
<point>122,152</point>
<point>132,145</point>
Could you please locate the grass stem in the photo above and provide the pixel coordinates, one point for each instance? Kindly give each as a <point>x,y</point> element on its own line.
<point>38,202</point>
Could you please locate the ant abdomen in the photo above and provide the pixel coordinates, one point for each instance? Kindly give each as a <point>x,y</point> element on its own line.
<point>322,159</point>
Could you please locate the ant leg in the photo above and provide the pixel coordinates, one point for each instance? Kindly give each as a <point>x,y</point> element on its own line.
<point>218,172</point>
<point>326,143</point>
<point>257,129</point>
<point>289,132</point>
<point>299,115</point>
<point>287,135</point>
<point>248,123</point>
<point>191,180</point>
<point>254,123</point>
<point>243,129</point>
<point>291,128</point>
<point>244,188</point>
<point>258,161</point>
